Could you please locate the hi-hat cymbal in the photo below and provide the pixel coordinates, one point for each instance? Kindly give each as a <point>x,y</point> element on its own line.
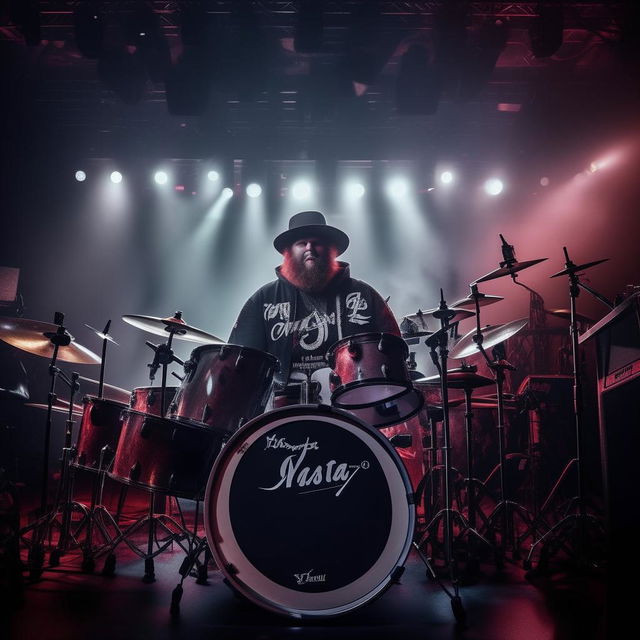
<point>509,270</point>
<point>173,325</point>
<point>491,336</point>
<point>574,268</point>
<point>34,337</point>
<point>109,391</point>
<point>460,379</point>
<point>565,314</point>
<point>416,324</point>
<point>60,406</point>
<point>483,299</point>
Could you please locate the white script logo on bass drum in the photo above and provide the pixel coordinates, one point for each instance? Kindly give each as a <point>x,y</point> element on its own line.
<point>304,578</point>
<point>321,477</point>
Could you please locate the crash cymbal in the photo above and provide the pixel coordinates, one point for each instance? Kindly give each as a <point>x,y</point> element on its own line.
<point>61,406</point>
<point>416,324</point>
<point>565,314</point>
<point>109,391</point>
<point>460,379</point>
<point>509,270</point>
<point>34,336</point>
<point>574,268</point>
<point>491,336</point>
<point>103,335</point>
<point>175,325</point>
<point>470,303</point>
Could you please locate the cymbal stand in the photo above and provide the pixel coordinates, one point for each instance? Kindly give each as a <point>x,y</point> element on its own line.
<point>506,510</point>
<point>561,535</point>
<point>438,344</point>
<point>41,528</point>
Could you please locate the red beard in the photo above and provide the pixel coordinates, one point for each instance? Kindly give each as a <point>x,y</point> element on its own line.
<point>311,277</point>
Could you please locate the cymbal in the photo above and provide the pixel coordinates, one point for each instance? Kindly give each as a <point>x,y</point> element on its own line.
<point>109,391</point>
<point>491,334</point>
<point>565,314</point>
<point>175,325</point>
<point>574,268</point>
<point>33,336</point>
<point>483,299</point>
<point>61,406</point>
<point>460,379</point>
<point>103,335</point>
<point>417,323</point>
<point>510,269</point>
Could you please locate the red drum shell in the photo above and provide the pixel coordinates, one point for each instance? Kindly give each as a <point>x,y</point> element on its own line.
<point>100,427</point>
<point>368,369</point>
<point>147,400</point>
<point>168,456</point>
<point>225,385</point>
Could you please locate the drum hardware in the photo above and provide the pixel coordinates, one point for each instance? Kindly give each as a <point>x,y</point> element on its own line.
<point>480,339</point>
<point>109,391</point>
<point>470,304</point>
<point>467,379</point>
<point>571,531</point>
<point>438,346</point>
<point>174,326</point>
<point>54,341</point>
<point>163,357</point>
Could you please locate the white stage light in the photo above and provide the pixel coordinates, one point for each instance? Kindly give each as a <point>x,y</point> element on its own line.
<point>116,177</point>
<point>355,190</point>
<point>398,187</point>
<point>446,177</point>
<point>301,190</point>
<point>254,190</point>
<point>81,176</point>
<point>227,192</point>
<point>214,176</point>
<point>493,186</point>
<point>160,177</point>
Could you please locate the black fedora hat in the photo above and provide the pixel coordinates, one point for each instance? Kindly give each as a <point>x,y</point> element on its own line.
<point>311,223</point>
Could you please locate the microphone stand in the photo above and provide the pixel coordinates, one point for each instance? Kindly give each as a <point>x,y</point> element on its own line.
<point>561,533</point>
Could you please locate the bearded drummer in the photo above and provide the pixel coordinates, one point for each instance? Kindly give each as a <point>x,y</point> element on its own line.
<point>312,303</point>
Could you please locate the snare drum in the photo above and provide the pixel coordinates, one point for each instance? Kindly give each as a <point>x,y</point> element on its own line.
<point>309,512</point>
<point>225,385</point>
<point>147,399</point>
<point>163,455</point>
<point>100,427</point>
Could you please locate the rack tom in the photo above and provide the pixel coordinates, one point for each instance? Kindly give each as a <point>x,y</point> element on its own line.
<point>148,399</point>
<point>225,385</point>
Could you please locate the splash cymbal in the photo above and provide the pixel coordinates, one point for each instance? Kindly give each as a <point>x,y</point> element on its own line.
<point>574,268</point>
<point>172,325</point>
<point>509,270</point>
<point>491,336</point>
<point>35,337</point>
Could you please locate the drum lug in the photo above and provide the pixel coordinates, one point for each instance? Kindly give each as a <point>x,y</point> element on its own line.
<point>172,481</point>
<point>206,414</point>
<point>189,369</point>
<point>134,472</point>
<point>145,429</point>
<point>381,344</point>
<point>224,352</point>
<point>240,362</point>
<point>359,375</point>
<point>385,370</point>
<point>334,380</point>
<point>354,349</point>
<point>151,399</point>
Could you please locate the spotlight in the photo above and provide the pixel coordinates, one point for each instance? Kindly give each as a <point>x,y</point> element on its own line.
<point>355,190</point>
<point>227,193</point>
<point>398,187</point>
<point>446,177</point>
<point>214,176</point>
<point>160,177</point>
<point>254,190</point>
<point>81,176</point>
<point>493,186</point>
<point>544,181</point>
<point>301,190</point>
<point>116,177</point>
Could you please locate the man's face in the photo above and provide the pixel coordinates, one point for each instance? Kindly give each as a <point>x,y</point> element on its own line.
<point>310,263</point>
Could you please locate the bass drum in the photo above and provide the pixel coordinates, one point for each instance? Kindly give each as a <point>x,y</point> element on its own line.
<point>309,512</point>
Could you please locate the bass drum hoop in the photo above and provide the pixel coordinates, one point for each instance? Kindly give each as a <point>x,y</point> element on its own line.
<point>233,563</point>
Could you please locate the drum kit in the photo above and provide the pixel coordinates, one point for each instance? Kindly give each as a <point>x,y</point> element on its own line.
<point>289,493</point>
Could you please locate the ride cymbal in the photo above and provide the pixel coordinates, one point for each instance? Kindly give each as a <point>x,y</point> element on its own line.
<point>173,325</point>
<point>35,337</point>
<point>574,268</point>
<point>491,336</point>
<point>460,379</point>
<point>470,302</point>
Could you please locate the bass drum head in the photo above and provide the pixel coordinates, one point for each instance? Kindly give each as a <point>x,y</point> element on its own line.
<point>309,511</point>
